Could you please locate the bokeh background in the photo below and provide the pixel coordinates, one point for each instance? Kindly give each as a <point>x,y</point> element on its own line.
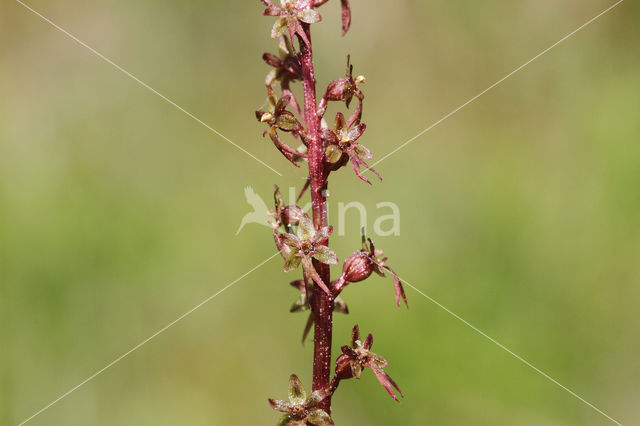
<point>118,213</point>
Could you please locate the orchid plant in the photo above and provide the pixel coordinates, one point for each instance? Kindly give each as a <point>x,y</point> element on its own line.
<point>303,241</point>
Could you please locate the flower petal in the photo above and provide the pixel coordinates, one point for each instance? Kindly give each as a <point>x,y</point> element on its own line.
<point>378,360</point>
<point>319,417</point>
<point>270,78</point>
<point>368,342</point>
<point>300,304</point>
<point>341,124</point>
<point>310,16</point>
<point>290,240</point>
<point>272,9</point>
<point>355,133</point>
<point>363,152</point>
<point>279,28</point>
<point>386,382</point>
<point>339,305</point>
<point>286,420</point>
<point>397,287</point>
<point>277,198</point>
<point>282,104</point>
<point>346,16</point>
<point>287,121</point>
<point>299,284</point>
<point>316,398</point>
<point>306,231</point>
<point>272,60</point>
<point>355,336</point>
<point>297,394</point>
<point>292,261</point>
<point>325,255</point>
<point>284,47</point>
<point>356,162</point>
<point>294,215</point>
<point>278,405</point>
<point>356,369</point>
<point>333,154</point>
<point>323,234</point>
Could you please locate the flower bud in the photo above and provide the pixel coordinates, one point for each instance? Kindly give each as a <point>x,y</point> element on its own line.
<point>339,90</point>
<point>343,367</point>
<point>357,267</point>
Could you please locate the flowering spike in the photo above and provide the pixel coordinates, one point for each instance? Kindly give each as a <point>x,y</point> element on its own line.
<point>303,241</point>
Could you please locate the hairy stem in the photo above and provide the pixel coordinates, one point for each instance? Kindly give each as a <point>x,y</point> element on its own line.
<point>322,304</point>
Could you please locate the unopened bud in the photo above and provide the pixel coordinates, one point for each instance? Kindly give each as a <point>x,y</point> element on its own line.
<point>343,367</point>
<point>357,267</point>
<point>339,90</point>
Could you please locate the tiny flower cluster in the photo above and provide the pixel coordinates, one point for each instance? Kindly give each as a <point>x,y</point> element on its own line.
<point>299,243</point>
<point>341,142</point>
<point>302,410</point>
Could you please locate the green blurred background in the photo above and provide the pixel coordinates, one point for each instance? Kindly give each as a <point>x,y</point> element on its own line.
<point>118,213</point>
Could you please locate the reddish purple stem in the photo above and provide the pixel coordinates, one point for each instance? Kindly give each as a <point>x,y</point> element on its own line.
<point>321,303</point>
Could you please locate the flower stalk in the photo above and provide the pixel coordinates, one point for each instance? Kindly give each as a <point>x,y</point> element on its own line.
<point>322,303</point>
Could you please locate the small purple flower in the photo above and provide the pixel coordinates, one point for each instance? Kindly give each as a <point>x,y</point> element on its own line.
<point>287,67</point>
<point>307,244</point>
<point>342,89</point>
<point>278,118</point>
<point>358,356</point>
<point>301,409</point>
<point>342,147</point>
<point>291,14</point>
